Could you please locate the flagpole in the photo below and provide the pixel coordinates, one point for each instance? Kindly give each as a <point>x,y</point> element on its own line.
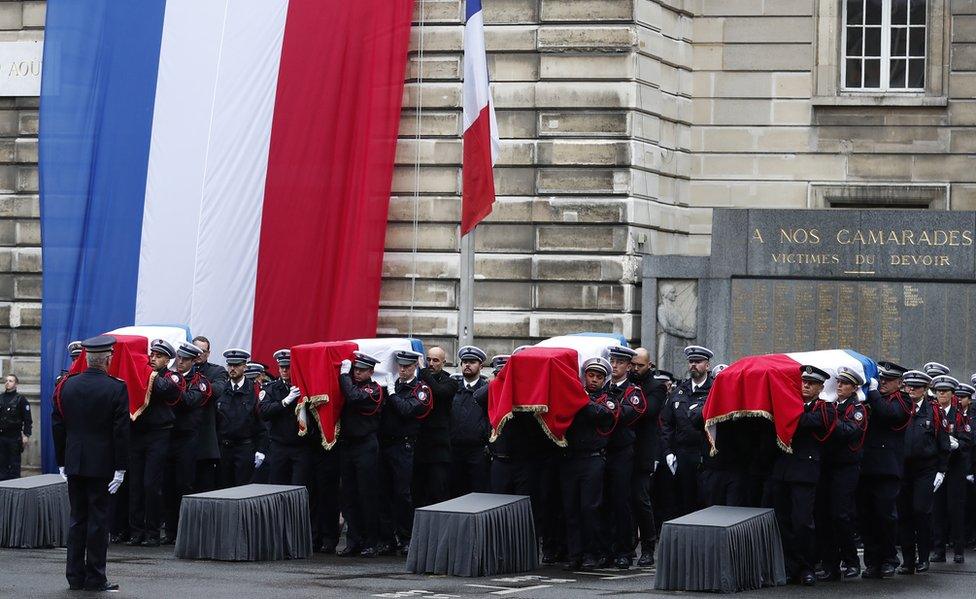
<point>466,291</point>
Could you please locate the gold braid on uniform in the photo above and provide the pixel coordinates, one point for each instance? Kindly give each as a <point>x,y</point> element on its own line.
<point>145,404</point>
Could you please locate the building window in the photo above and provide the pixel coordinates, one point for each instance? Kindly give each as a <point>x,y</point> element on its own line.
<point>884,45</point>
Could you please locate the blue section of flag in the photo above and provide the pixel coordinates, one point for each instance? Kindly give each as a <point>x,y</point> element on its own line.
<point>470,8</point>
<point>97,97</point>
<point>870,368</point>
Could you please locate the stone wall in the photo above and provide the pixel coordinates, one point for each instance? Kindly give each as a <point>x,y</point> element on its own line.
<point>20,230</point>
<point>594,109</point>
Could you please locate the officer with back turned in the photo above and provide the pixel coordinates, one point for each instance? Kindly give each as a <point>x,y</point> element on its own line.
<point>90,426</point>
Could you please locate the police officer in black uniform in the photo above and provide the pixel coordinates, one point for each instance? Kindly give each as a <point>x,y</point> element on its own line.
<point>948,511</point>
<point>581,468</point>
<point>409,400</point>
<point>966,435</point>
<point>470,428</point>
<point>840,470</point>
<point>208,451</point>
<point>90,426</point>
<point>325,467</point>
<point>647,451</point>
<point>15,428</point>
<point>182,461</point>
<point>682,430</point>
<point>795,475</point>
<point>240,431</point>
<point>359,455</point>
<point>288,452</point>
<point>882,465</point>
<point>149,448</point>
<point>619,471</point>
<point>926,462</point>
<point>432,459</point>
<point>257,374</point>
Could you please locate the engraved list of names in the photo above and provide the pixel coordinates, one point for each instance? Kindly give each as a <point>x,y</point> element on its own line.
<point>905,322</point>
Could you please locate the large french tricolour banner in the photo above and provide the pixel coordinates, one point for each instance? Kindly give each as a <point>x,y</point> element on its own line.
<point>224,165</point>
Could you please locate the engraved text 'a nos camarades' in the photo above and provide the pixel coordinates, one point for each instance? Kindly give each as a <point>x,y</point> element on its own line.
<point>895,247</point>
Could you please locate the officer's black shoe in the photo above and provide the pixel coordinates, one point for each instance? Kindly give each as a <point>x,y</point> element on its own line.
<point>906,570</point>
<point>548,558</point>
<point>622,562</point>
<point>368,552</point>
<point>108,586</point>
<point>871,572</point>
<point>851,572</point>
<point>828,576</point>
<point>119,538</point>
<point>326,548</point>
<point>385,549</point>
<point>150,543</point>
<point>938,556</point>
<point>133,541</point>
<point>591,563</point>
<point>807,578</point>
<point>403,550</point>
<point>76,586</point>
<point>887,571</point>
<point>959,558</point>
<point>573,565</point>
<point>604,561</point>
<point>922,567</point>
<point>348,551</point>
<point>646,560</point>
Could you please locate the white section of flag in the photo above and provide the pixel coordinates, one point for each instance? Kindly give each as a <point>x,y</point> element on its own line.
<point>476,90</point>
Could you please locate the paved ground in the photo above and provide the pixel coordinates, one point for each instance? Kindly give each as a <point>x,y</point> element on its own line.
<point>156,573</point>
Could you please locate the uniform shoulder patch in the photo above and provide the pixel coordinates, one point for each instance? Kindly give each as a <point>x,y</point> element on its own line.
<point>262,394</point>
<point>634,399</point>
<point>175,377</point>
<point>422,395</point>
<point>859,416</point>
<point>611,405</point>
<point>968,428</point>
<point>203,387</point>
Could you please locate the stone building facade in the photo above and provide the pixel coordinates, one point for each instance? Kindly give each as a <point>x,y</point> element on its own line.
<point>623,123</point>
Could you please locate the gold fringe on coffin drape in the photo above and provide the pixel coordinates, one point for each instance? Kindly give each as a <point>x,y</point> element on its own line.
<point>311,403</point>
<point>537,411</point>
<point>712,422</point>
<point>145,404</point>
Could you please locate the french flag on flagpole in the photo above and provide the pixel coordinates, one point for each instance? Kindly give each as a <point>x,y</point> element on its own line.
<point>481,144</point>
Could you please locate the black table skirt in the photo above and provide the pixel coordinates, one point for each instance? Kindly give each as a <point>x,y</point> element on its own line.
<point>479,534</point>
<point>34,512</point>
<point>720,548</point>
<point>246,523</point>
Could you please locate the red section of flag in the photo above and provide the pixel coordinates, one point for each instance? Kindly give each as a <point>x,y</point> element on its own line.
<point>766,386</point>
<point>130,362</point>
<point>315,371</point>
<point>541,380</point>
<point>477,177</point>
<point>330,168</point>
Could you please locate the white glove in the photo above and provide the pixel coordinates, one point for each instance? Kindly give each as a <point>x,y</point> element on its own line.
<point>116,481</point>
<point>874,384</point>
<point>672,462</point>
<point>971,478</point>
<point>391,387</point>
<point>345,367</point>
<point>292,396</point>
<point>258,459</point>
<point>61,472</point>
<point>939,477</point>
<point>654,468</point>
<point>953,444</point>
